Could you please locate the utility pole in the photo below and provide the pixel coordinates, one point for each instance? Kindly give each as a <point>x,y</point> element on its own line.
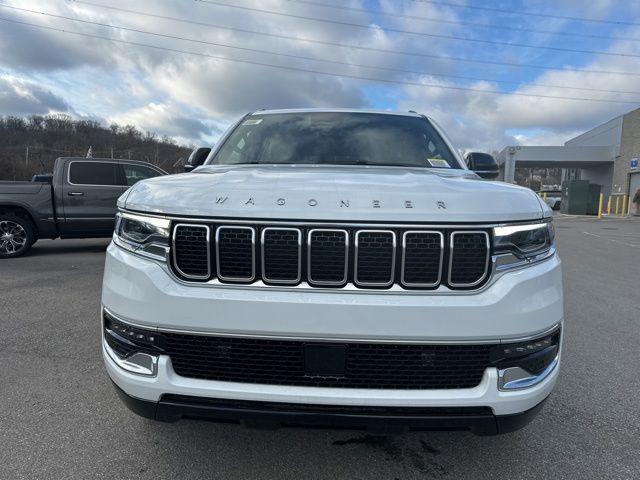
<point>26,156</point>
<point>112,153</point>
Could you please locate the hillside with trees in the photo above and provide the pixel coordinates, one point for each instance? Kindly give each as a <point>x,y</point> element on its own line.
<point>30,145</point>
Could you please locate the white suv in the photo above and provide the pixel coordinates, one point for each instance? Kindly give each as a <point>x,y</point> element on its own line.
<point>334,268</point>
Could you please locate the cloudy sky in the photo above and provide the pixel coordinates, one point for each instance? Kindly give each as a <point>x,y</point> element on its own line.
<point>187,68</point>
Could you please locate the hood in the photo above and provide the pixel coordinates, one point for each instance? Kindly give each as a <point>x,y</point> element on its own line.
<point>334,193</point>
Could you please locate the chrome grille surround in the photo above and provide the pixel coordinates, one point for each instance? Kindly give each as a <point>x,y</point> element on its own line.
<point>358,250</point>
<point>317,231</point>
<point>263,256</point>
<point>452,253</point>
<point>219,258</point>
<point>404,256</point>
<point>174,247</point>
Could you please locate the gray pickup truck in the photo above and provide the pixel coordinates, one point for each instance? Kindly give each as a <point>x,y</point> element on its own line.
<point>79,202</point>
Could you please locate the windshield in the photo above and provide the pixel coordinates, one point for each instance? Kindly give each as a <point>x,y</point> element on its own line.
<point>336,138</point>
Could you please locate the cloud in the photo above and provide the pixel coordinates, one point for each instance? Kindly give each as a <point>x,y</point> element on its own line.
<point>193,97</point>
<point>20,98</point>
<point>165,120</point>
<point>487,121</point>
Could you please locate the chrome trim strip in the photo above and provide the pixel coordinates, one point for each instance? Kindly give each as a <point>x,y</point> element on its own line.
<point>533,336</point>
<point>324,223</point>
<point>509,261</point>
<point>451,254</point>
<point>393,260</point>
<point>253,254</point>
<point>527,379</point>
<point>173,248</point>
<point>346,257</point>
<point>264,275</point>
<point>492,341</point>
<point>404,244</point>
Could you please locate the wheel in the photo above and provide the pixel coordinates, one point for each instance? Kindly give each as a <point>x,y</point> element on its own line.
<point>16,236</point>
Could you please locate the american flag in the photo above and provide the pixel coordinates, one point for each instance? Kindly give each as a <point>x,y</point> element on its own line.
<point>89,153</point>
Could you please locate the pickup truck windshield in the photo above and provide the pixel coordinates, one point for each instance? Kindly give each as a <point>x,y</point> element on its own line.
<point>336,138</point>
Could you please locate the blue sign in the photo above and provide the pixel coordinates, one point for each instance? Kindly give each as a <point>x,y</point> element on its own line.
<point>634,163</point>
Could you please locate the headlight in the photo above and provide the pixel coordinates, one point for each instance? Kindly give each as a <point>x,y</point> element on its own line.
<point>523,240</point>
<point>141,234</point>
<point>517,245</point>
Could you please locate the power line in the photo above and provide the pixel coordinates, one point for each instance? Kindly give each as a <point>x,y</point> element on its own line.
<point>525,13</point>
<point>413,32</point>
<point>350,46</point>
<point>461,22</point>
<point>304,57</point>
<point>317,72</point>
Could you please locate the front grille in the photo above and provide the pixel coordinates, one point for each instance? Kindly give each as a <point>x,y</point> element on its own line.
<point>422,258</point>
<point>235,253</point>
<point>375,257</point>
<point>191,250</point>
<point>469,258</point>
<point>328,254</point>
<point>333,257</point>
<point>281,250</point>
<point>282,362</point>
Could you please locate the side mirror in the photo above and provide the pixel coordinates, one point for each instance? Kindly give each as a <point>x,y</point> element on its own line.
<point>482,164</point>
<point>197,158</point>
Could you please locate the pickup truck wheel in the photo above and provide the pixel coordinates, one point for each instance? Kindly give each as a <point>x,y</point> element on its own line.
<point>16,236</point>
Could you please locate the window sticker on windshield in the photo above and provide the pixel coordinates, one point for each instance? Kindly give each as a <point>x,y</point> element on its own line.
<point>438,162</point>
<point>252,121</point>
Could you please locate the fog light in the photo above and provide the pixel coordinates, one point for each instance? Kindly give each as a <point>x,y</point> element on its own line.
<point>525,364</point>
<point>133,349</point>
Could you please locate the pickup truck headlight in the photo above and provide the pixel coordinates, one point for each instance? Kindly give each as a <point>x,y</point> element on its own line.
<point>516,245</point>
<point>147,236</point>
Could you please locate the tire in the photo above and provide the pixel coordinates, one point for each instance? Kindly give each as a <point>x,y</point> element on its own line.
<point>16,236</point>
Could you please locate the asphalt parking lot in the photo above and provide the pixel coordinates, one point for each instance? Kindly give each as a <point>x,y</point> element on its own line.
<point>60,417</point>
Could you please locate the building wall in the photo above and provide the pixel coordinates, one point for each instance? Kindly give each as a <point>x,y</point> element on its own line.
<point>629,148</point>
<point>605,135</point>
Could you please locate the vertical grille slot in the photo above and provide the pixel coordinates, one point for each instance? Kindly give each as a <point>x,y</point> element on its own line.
<point>422,254</point>
<point>235,253</point>
<point>328,256</point>
<point>375,252</point>
<point>469,258</point>
<point>281,255</point>
<point>191,251</point>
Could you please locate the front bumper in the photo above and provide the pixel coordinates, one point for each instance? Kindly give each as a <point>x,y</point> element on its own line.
<point>519,304</point>
<point>380,420</point>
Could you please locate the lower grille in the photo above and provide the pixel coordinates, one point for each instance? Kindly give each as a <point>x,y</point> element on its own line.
<point>282,362</point>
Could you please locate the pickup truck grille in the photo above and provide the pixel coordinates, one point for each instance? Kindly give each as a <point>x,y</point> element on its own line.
<point>332,257</point>
<point>367,365</point>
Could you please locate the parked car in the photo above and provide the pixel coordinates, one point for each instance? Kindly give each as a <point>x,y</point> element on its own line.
<point>334,268</point>
<point>79,201</point>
